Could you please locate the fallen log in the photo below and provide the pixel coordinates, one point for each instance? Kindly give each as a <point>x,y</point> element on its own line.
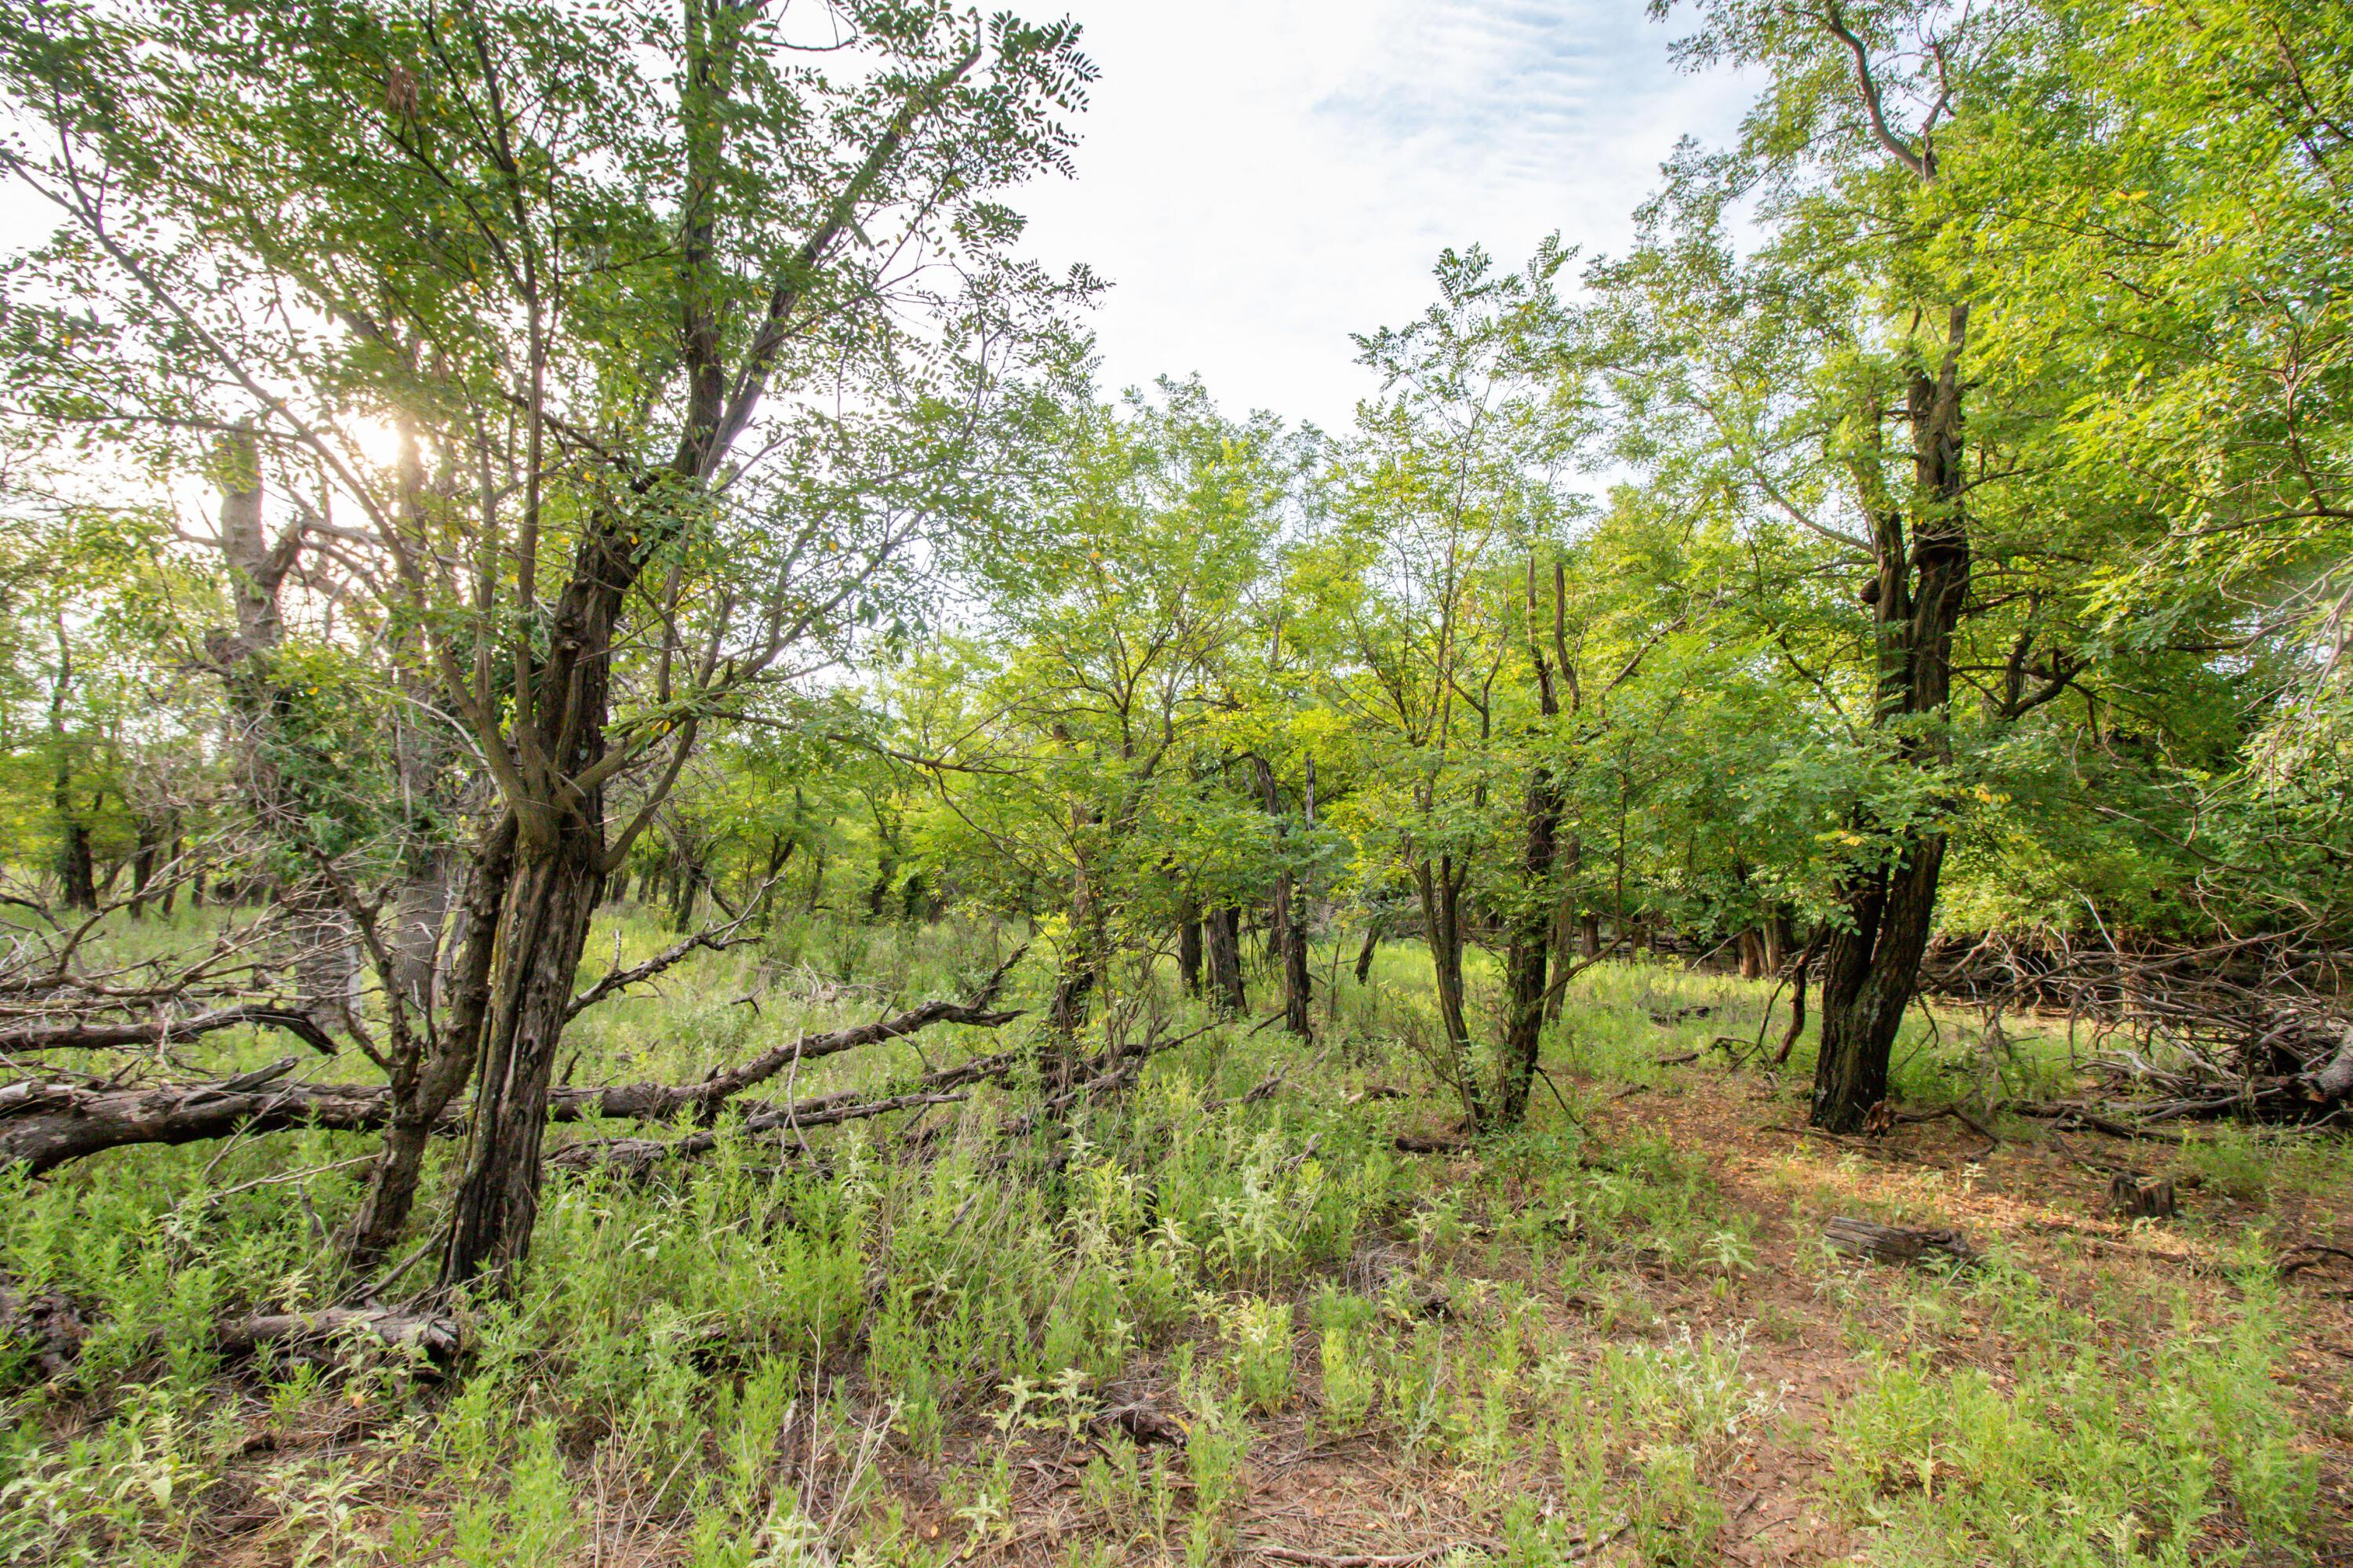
<point>53,1332</point>
<point>640,1156</point>
<point>45,1123</point>
<point>1895,1244</point>
<point>311,1332</point>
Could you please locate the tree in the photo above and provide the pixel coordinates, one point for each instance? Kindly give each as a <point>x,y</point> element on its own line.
<point>1456,470</point>
<point>676,343</point>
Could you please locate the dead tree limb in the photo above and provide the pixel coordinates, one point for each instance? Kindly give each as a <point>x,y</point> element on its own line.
<point>132,1034</point>
<point>45,1123</point>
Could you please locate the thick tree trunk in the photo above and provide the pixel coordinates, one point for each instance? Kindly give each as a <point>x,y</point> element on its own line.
<point>1868,977</point>
<point>172,886</point>
<point>1084,962</point>
<point>142,867</point>
<point>77,872</point>
<point>1225,954</point>
<point>1752,953</point>
<point>543,927</point>
<point>1778,939</point>
<point>1188,947</point>
<point>878,893</point>
<point>76,875</point>
<point>1527,949</point>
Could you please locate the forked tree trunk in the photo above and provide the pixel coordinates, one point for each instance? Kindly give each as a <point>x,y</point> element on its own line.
<point>424,1083</point>
<point>1287,932</point>
<point>1872,969</point>
<point>542,928</point>
<point>1752,953</point>
<point>556,882</point>
<point>1440,885</point>
<point>1535,916</point>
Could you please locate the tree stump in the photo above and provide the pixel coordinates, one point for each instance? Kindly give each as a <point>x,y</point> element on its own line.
<point>2135,1196</point>
<point>1895,1244</point>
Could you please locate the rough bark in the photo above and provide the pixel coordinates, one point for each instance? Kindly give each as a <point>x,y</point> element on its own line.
<point>543,927</point>
<point>1188,947</point>
<point>1535,916</point>
<point>77,874</point>
<point>1287,924</point>
<point>1872,964</point>
<point>1895,1244</point>
<point>1224,931</point>
<point>426,1078</point>
<point>1797,1001</point>
<point>137,1034</point>
<point>48,1123</point>
<point>1753,963</point>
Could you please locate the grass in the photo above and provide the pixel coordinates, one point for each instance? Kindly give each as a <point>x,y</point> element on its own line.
<point>1611,1336</point>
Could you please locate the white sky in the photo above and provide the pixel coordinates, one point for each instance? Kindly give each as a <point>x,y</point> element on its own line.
<point>1260,178</point>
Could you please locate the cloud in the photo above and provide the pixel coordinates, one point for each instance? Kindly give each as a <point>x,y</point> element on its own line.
<point>1259,180</point>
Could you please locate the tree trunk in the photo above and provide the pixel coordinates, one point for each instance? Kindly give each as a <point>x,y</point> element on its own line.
<point>1536,913</point>
<point>77,872</point>
<point>1752,953</point>
<point>430,1076</point>
<point>543,927</point>
<point>1872,969</point>
<point>690,878</point>
<point>1082,964</point>
<point>1369,947</point>
<point>1778,939</point>
<point>1527,948</point>
<point>886,871</point>
<point>1797,1001</point>
<point>1225,954</point>
<point>143,866</point>
<point>1287,924</point>
<point>1188,947</point>
<point>1441,889</point>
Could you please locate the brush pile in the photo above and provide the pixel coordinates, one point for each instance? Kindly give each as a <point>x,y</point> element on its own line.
<point>2253,1027</point>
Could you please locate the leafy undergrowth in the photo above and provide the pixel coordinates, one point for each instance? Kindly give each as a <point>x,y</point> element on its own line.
<point>1204,1324</point>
